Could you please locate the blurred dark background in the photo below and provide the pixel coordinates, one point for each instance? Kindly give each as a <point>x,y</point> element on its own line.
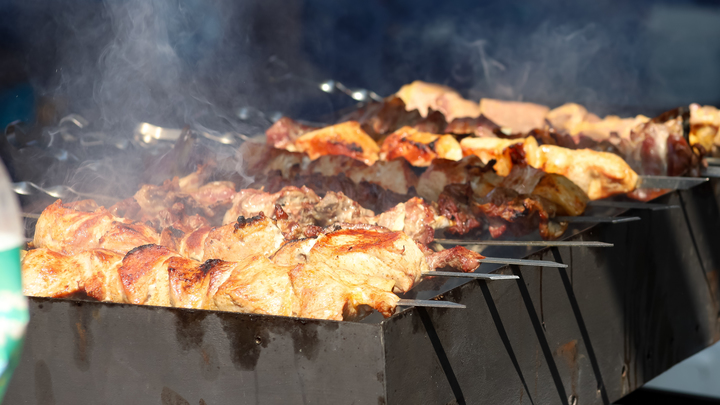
<point>174,62</point>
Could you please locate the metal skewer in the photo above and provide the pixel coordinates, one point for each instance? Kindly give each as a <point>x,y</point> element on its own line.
<point>711,171</point>
<point>479,276</point>
<point>596,220</point>
<point>523,262</point>
<point>632,205</point>
<point>524,243</point>
<point>712,161</point>
<point>670,182</point>
<point>429,304</point>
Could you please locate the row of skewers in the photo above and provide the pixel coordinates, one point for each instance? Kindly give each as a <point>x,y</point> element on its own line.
<point>337,221</point>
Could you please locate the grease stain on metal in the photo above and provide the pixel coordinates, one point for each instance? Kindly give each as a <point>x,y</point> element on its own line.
<point>82,335</point>
<point>189,329</point>
<point>170,397</point>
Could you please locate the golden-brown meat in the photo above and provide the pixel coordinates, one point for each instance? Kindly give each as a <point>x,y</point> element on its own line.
<point>245,237</point>
<point>488,149</point>
<point>253,285</point>
<point>372,252</point>
<point>63,229</point>
<point>122,237</point>
<point>94,272</point>
<point>518,116</point>
<point>50,274</point>
<point>144,275</point>
<point>188,282</point>
<point>294,252</point>
<point>569,198</point>
<point>705,127</point>
<point>419,148</point>
<point>424,97</point>
<point>346,139</point>
<point>325,292</point>
<point>575,120</point>
<point>598,174</point>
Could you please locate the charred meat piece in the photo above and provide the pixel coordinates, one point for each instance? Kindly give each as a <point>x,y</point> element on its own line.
<point>481,127</point>
<point>508,211</point>
<point>455,203</point>
<point>419,148</point>
<point>457,258</point>
<point>346,139</point>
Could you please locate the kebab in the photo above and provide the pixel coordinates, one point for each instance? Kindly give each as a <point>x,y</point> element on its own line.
<point>341,264</point>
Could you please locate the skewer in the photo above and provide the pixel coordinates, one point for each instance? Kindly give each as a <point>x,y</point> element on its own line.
<point>479,276</point>
<point>632,205</point>
<point>524,243</point>
<point>670,182</point>
<point>429,304</point>
<point>711,171</point>
<point>712,161</point>
<point>596,220</point>
<point>523,262</point>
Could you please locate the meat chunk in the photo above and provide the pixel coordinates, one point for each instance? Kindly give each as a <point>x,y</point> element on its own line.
<point>245,237</point>
<point>598,174</point>
<point>425,97</point>
<point>419,148</point>
<point>456,258</point>
<point>346,139</point>
<point>488,149</point>
<point>252,285</point>
<point>63,229</point>
<point>705,127</point>
<point>325,292</point>
<point>144,275</point>
<point>386,254</point>
<point>519,116</point>
<point>443,172</point>
<point>284,132</point>
<point>394,175</point>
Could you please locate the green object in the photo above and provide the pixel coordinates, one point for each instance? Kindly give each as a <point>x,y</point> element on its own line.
<point>13,314</point>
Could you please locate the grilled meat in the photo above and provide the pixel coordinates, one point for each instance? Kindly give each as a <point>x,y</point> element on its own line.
<point>426,97</point>
<point>705,127</point>
<point>419,148</point>
<point>63,229</point>
<point>346,139</point>
<point>284,132</point>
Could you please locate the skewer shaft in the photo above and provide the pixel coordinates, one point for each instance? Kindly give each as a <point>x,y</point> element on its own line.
<point>670,182</point>
<point>711,171</point>
<point>579,243</point>
<point>632,205</point>
<point>479,276</point>
<point>429,304</point>
<point>596,220</point>
<point>523,262</point>
<point>713,161</point>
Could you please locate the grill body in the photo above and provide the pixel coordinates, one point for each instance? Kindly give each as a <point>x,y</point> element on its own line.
<point>594,332</point>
